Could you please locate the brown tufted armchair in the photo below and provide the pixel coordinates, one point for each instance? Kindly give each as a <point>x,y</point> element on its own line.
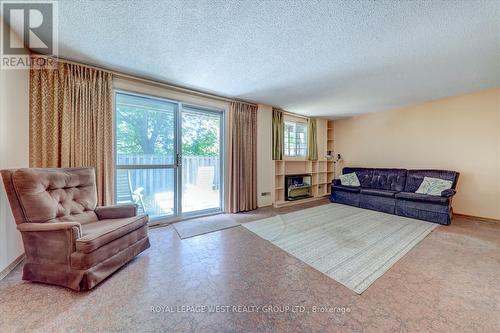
<point>67,239</point>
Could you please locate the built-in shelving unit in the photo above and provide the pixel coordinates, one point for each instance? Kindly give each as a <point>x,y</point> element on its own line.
<point>329,147</point>
<point>320,170</point>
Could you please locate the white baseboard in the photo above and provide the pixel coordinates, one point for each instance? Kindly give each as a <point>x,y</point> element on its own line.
<point>13,265</point>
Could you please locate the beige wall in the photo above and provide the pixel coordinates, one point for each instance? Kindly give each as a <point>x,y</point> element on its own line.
<point>459,133</point>
<point>265,164</point>
<point>13,153</point>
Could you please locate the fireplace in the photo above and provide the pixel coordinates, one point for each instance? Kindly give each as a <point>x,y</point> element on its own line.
<point>297,187</point>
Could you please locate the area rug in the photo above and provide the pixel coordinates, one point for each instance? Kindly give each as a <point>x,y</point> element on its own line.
<point>351,245</point>
<point>191,228</point>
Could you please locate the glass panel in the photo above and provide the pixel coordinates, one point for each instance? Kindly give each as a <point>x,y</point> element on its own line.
<point>151,189</point>
<point>295,139</point>
<point>201,183</point>
<point>301,139</point>
<point>145,130</point>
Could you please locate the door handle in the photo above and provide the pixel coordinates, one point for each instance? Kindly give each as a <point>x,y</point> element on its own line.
<point>178,161</point>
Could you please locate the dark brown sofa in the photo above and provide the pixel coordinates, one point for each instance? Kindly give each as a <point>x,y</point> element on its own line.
<point>69,241</point>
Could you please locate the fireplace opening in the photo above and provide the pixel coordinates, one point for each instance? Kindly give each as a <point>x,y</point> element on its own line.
<point>298,187</point>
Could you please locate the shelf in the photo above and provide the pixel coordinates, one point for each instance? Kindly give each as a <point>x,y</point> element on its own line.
<point>281,203</point>
<point>320,171</point>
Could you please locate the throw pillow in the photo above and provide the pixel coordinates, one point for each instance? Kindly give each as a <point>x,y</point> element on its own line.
<point>349,179</point>
<point>434,186</point>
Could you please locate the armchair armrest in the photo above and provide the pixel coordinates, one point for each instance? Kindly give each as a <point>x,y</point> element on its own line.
<point>448,193</point>
<point>116,212</point>
<point>56,243</point>
<point>50,226</point>
<point>336,182</point>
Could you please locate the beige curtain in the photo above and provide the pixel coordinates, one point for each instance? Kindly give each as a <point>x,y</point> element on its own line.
<point>312,141</point>
<point>242,157</point>
<point>71,122</point>
<point>278,130</point>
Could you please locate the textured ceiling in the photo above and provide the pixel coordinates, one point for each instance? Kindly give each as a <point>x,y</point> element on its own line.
<point>322,58</point>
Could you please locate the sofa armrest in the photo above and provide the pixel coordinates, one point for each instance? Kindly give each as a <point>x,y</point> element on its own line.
<point>116,212</point>
<point>336,182</point>
<point>448,193</point>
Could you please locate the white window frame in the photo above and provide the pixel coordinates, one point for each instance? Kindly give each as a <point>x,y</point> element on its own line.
<point>296,150</point>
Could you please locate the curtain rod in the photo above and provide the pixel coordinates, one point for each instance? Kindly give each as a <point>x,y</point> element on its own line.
<point>154,82</point>
<point>292,114</point>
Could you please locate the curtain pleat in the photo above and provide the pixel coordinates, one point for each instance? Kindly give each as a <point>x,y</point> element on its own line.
<point>242,157</point>
<point>71,119</point>
<point>312,141</point>
<point>278,132</point>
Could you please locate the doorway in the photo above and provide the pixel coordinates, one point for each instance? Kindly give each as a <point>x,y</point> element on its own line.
<point>169,156</point>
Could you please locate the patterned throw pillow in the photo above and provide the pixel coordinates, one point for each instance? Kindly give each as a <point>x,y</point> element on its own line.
<point>349,179</point>
<point>434,186</point>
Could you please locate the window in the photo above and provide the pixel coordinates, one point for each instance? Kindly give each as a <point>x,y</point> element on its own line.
<point>295,139</point>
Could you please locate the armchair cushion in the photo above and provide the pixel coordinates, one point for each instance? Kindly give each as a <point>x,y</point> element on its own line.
<point>80,260</point>
<point>116,212</point>
<point>54,195</point>
<point>97,234</point>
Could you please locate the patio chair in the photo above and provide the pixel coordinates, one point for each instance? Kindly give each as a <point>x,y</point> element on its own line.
<point>125,193</point>
<point>205,178</point>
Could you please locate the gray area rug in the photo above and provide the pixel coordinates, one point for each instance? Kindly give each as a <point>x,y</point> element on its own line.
<point>186,229</point>
<point>351,245</point>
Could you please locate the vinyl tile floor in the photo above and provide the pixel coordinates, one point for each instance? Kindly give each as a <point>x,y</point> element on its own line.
<point>234,281</point>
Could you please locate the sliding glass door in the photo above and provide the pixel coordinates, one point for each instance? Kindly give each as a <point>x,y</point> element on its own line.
<point>201,160</point>
<point>146,153</point>
<point>168,156</point>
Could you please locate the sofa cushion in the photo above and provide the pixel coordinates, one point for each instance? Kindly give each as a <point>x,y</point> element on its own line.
<point>388,179</point>
<point>364,175</point>
<point>422,198</point>
<point>434,186</point>
<point>349,179</point>
<point>377,192</point>
<point>353,189</point>
<point>415,177</point>
<point>96,234</point>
